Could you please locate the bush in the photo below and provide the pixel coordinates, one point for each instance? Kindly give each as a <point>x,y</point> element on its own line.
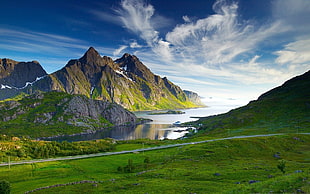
<point>5,187</point>
<point>281,166</point>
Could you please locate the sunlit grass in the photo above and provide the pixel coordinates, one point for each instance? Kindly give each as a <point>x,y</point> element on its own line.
<point>220,166</point>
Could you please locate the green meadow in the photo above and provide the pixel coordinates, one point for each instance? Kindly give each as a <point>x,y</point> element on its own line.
<point>248,165</point>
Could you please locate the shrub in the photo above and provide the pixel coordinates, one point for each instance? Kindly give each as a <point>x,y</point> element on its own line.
<point>281,166</point>
<point>5,187</point>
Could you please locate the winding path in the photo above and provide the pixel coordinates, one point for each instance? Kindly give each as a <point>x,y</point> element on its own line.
<point>136,150</point>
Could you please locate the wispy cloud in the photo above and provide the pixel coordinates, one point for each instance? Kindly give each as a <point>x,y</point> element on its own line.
<point>136,16</point>
<point>31,41</point>
<point>210,45</point>
<point>135,44</point>
<point>186,18</point>
<point>297,52</point>
<point>216,39</point>
<point>119,50</point>
<point>52,50</point>
<point>220,37</point>
<point>104,16</point>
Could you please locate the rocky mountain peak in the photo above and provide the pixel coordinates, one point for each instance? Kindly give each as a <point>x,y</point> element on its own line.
<point>17,74</point>
<point>128,56</point>
<point>133,65</point>
<point>91,57</point>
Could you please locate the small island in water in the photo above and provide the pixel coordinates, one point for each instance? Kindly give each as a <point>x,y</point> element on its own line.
<point>167,112</point>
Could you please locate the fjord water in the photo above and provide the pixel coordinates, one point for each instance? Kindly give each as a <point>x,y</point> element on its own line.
<point>160,128</point>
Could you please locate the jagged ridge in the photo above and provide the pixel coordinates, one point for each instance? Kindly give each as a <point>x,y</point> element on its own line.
<point>126,81</point>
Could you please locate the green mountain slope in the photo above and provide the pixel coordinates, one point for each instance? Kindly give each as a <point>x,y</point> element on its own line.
<point>282,109</point>
<point>57,113</point>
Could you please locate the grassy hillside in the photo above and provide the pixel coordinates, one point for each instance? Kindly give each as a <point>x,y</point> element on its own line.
<point>283,109</point>
<point>228,166</point>
<point>24,125</point>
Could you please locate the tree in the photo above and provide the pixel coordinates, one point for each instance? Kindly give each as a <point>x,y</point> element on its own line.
<point>281,166</point>
<point>146,162</point>
<point>5,187</point>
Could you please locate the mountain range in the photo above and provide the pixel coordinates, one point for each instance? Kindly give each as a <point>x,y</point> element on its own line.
<point>125,81</point>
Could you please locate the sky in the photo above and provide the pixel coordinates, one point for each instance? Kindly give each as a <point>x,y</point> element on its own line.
<point>228,51</point>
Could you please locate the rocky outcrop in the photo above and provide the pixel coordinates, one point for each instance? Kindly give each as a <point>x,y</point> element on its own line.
<point>83,107</point>
<point>53,108</point>
<point>193,97</point>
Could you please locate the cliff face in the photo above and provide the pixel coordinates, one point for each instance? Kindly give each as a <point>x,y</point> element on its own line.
<point>194,97</point>
<point>83,107</point>
<point>126,81</point>
<point>56,108</point>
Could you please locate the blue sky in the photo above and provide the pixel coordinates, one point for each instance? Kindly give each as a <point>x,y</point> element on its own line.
<point>228,51</point>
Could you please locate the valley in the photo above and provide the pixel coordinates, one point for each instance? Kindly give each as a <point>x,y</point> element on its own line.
<point>155,97</point>
<point>244,165</point>
<point>260,147</point>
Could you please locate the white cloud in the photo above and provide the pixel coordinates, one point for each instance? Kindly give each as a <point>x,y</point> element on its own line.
<point>136,15</point>
<point>216,39</point>
<point>208,46</point>
<point>221,37</point>
<point>297,52</point>
<point>295,16</point>
<point>119,50</point>
<point>134,44</point>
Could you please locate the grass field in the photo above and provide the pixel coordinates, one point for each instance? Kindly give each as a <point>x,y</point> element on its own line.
<point>228,166</point>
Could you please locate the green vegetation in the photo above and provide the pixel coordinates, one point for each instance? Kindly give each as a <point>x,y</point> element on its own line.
<point>229,166</point>
<point>15,98</point>
<point>5,187</point>
<point>44,115</point>
<point>281,166</point>
<point>15,149</point>
<point>271,164</point>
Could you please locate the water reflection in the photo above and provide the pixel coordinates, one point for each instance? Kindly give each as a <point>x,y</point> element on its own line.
<point>160,128</point>
<point>150,131</point>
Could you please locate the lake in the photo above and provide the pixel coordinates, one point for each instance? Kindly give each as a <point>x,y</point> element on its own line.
<point>160,128</point>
